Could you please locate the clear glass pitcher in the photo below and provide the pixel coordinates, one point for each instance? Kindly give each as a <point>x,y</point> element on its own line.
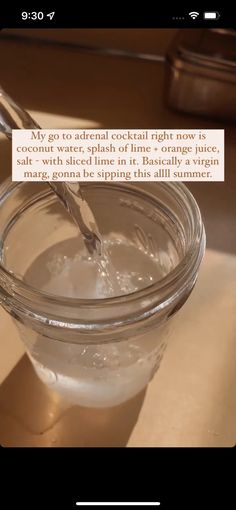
<point>97,352</point>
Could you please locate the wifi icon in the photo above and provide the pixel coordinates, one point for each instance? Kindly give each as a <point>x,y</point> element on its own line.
<point>194,14</point>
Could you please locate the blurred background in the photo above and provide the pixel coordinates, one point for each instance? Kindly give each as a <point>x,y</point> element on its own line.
<point>119,78</point>
<point>138,78</point>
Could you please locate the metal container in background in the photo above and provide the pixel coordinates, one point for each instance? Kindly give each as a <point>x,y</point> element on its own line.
<point>201,73</point>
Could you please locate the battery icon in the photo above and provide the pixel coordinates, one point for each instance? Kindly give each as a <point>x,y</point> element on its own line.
<point>211,15</point>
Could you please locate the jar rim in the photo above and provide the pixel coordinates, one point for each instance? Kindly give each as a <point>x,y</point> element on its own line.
<point>23,293</point>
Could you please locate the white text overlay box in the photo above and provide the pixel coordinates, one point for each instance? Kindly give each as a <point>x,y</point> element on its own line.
<point>118,155</point>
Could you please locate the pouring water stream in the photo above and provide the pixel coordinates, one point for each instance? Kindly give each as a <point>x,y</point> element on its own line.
<point>13,116</point>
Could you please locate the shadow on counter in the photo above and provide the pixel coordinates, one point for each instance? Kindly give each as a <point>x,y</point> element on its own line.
<point>32,415</point>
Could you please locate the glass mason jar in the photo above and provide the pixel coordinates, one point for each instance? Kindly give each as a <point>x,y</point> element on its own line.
<point>97,352</point>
